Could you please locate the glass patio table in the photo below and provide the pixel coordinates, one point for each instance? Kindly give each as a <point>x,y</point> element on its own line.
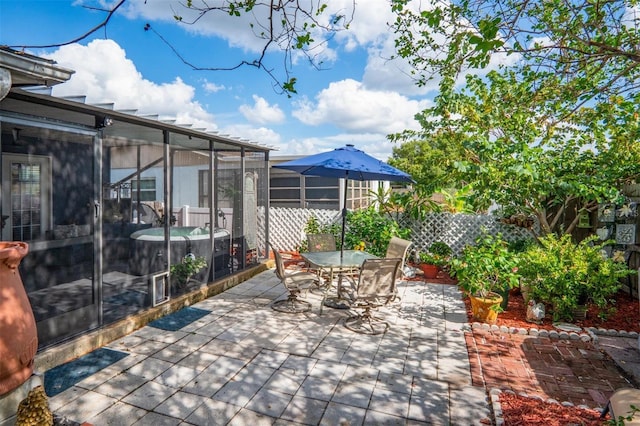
<point>332,262</point>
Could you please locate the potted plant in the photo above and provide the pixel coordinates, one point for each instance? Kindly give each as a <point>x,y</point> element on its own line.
<point>434,259</point>
<point>429,264</point>
<point>483,270</point>
<point>182,272</point>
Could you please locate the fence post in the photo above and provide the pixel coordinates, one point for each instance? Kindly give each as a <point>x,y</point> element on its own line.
<point>185,215</point>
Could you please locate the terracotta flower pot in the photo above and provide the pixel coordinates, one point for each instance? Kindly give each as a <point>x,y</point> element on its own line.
<point>18,334</point>
<point>483,307</point>
<point>429,271</point>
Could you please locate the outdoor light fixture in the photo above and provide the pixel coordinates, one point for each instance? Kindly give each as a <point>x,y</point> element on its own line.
<point>102,122</point>
<point>5,82</point>
<point>15,133</point>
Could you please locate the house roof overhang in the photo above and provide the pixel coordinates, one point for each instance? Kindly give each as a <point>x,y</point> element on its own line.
<point>29,70</point>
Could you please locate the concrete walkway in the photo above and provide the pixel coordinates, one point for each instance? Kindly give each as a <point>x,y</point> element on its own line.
<point>243,363</point>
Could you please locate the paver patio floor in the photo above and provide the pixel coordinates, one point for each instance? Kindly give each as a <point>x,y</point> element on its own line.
<point>245,364</point>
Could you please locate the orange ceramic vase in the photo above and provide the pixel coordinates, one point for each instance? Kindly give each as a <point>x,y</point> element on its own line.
<point>18,334</point>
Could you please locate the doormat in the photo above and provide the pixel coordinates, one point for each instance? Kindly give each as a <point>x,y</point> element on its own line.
<point>179,319</point>
<point>62,377</point>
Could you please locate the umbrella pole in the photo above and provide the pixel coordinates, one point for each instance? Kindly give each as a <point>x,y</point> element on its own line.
<point>344,216</point>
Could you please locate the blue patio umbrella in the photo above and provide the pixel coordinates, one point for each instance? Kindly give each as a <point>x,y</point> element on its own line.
<point>346,162</point>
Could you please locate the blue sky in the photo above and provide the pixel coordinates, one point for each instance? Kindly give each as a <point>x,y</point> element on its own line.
<point>358,98</point>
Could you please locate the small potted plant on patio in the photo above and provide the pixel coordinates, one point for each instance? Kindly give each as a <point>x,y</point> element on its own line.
<point>483,271</point>
<point>433,260</point>
<point>182,272</point>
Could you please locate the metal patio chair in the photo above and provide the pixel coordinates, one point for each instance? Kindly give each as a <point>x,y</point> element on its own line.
<point>322,242</point>
<point>376,287</point>
<point>398,249</point>
<point>295,282</point>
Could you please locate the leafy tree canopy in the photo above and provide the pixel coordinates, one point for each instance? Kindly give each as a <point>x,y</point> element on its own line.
<point>591,46</point>
<point>508,144</point>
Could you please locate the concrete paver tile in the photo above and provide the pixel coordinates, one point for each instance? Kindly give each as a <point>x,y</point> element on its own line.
<point>198,360</point>
<point>340,414</point>
<point>270,358</point>
<point>269,402</point>
<point>212,412</point>
<point>395,382</point>
<point>298,365</point>
<point>172,353</point>
<point>119,414</point>
<point>246,417</point>
<point>98,378</point>
<point>468,406</point>
<point>180,405</point>
<point>239,393</point>
<point>194,341</point>
<point>305,411</point>
<point>148,347</point>
<point>157,419</point>
<point>150,368</point>
<point>177,376</point>
<point>357,394</point>
<point>379,418</point>
<point>121,385</point>
<point>149,395</point>
<point>318,388</point>
<point>86,406</point>
<point>283,381</point>
<point>328,369</point>
<point>390,402</point>
<point>167,336</point>
<point>66,397</point>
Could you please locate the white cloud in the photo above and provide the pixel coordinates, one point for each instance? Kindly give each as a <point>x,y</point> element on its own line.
<point>375,145</point>
<point>261,112</point>
<point>122,84</point>
<point>212,87</point>
<point>261,135</point>
<point>350,106</point>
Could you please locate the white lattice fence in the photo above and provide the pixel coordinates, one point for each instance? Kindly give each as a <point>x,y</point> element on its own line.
<point>287,227</point>
<point>458,230</point>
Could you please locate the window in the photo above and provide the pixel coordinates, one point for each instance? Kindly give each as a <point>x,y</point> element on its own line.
<point>147,189</point>
<point>26,216</point>
<point>203,188</point>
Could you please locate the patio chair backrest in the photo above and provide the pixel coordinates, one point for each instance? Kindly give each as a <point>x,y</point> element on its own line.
<point>398,248</point>
<point>321,242</point>
<point>279,262</point>
<point>378,279</point>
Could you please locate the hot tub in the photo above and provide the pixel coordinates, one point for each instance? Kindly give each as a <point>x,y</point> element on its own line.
<point>147,248</point>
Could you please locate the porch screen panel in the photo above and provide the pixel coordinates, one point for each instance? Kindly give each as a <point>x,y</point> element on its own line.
<point>133,214</point>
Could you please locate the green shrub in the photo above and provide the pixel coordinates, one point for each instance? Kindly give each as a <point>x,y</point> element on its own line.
<point>563,275</point>
<point>485,267</point>
<point>372,228</point>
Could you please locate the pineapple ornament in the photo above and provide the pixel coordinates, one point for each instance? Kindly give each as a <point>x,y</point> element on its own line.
<point>34,409</point>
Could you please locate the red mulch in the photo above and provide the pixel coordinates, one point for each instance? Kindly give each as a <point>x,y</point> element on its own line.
<point>626,316</point>
<point>521,411</point>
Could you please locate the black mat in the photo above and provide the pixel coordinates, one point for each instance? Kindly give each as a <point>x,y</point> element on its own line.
<point>62,377</point>
<point>179,319</point>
